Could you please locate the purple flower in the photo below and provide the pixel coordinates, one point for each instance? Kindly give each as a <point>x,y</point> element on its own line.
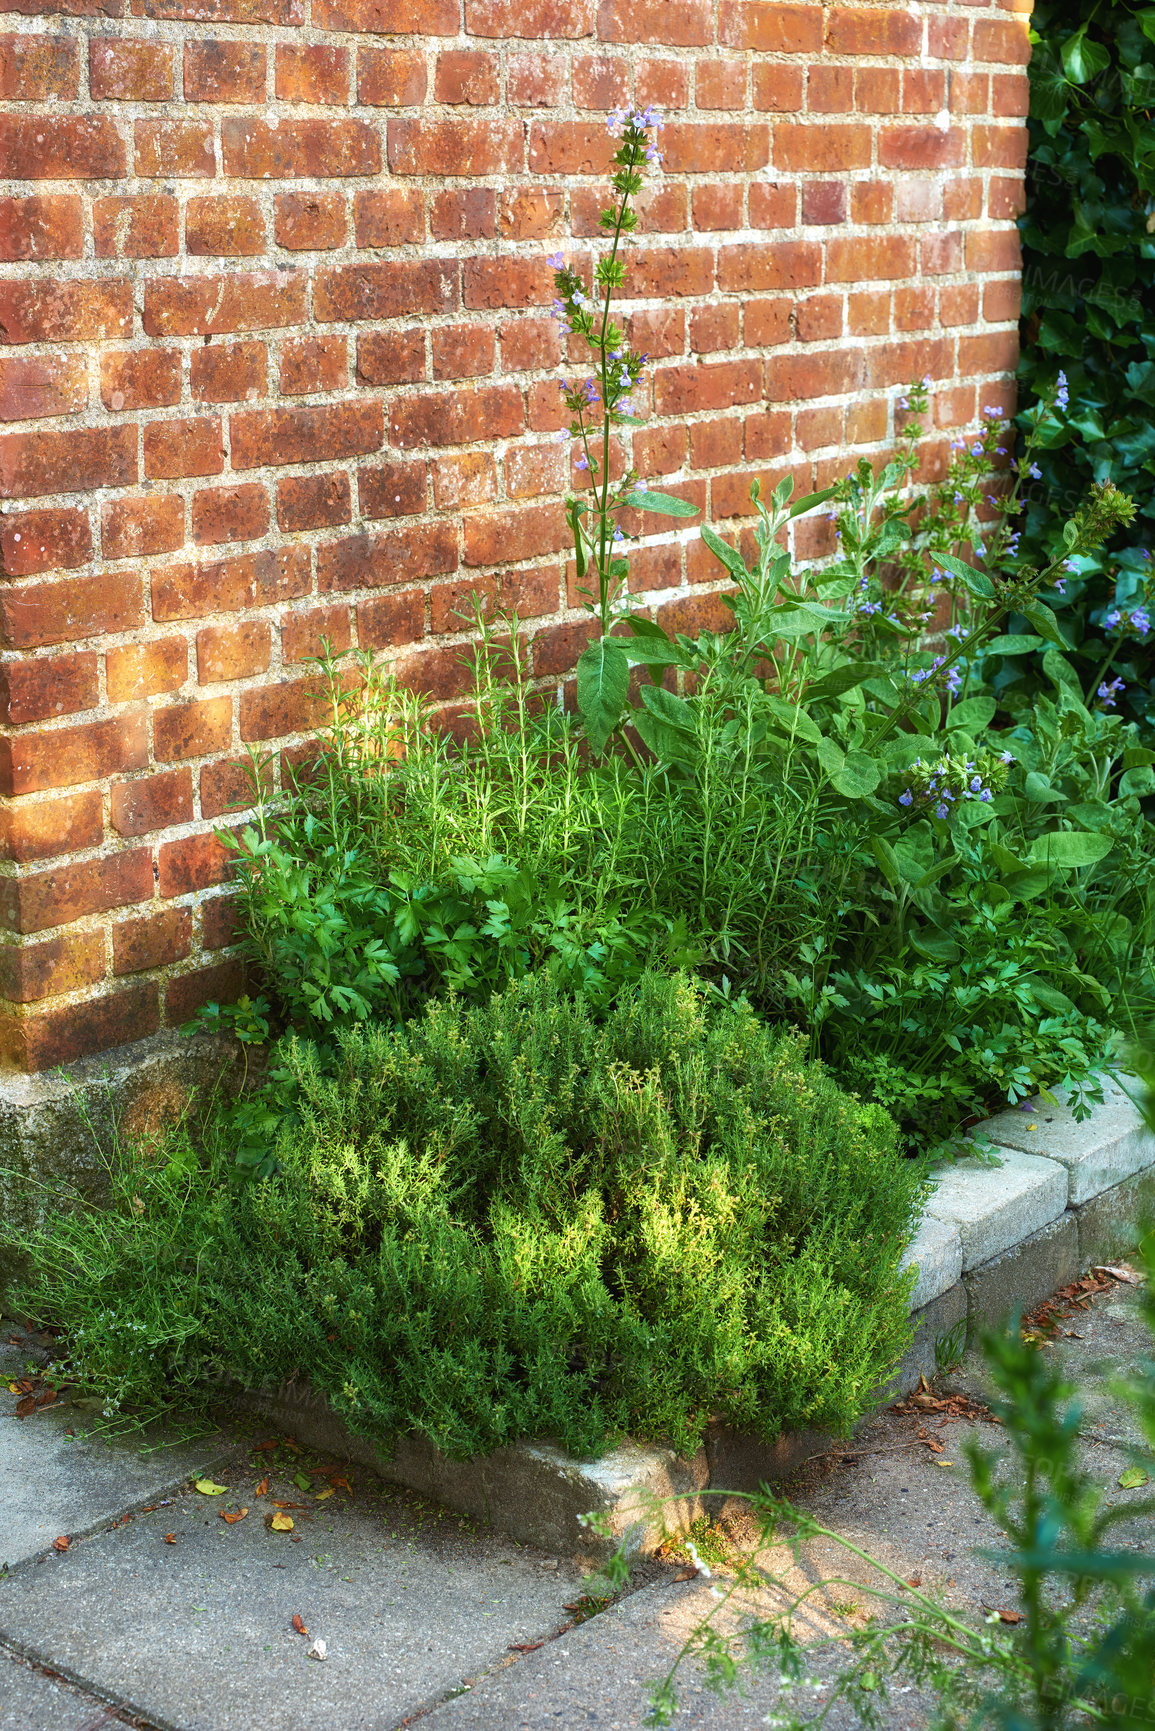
<point>582,463</point>
<point>556,261</point>
<point>976,783</point>
<point>1060,585</point>
<point>985,796</point>
<point>1112,619</point>
<point>1062,394</point>
<point>1110,692</point>
<point>619,534</point>
<point>1007,757</point>
<point>1035,472</point>
<point>941,811</point>
<point>926,381</point>
<point>906,798</point>
<point>954,680</point>
<point>1140,621</point>
<point>992,410</point>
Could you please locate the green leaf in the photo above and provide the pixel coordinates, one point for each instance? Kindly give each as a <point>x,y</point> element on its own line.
<point>854,774</point>
<point>793,720</point>
<point>1083,59</point>
<point>1069,849</point>
<point>603,683</point>
<point>1133,1477</point>
<point>800,506</point>
<point>672,711</point>
<point>730,557</point>
<point>1138,781</point>
<point>1039,790</point>
<point>1039,615</point>
<point>887,860</point>
<point>1060,672</point>
<point>972,715</point>
<point>844,678</point>
<point>1014,644</point>
<point>976,581</point>
<point>663,503</point>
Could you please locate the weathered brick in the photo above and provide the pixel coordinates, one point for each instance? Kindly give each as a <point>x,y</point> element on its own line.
<point>189,992</point>
<point>228,372</point>
<point>151,942</point>
<point>305,634</point>
<point>769,27</point>
<point>33,387</point>
<point>65,756</point>
<point>389,17</point>
<point>188,591</point>
<point>290,13</point>
<point>535,80</point>
<point>241,301</point>
<point>139,670</point>
<point>382,560</point>
<point>34,688</point>
<point>309,221</point>
<point>569,147</point>
<point>228,786</point>
<point>391,357</point>
<point>33,464</point>
<point>261,437</point>
<point>40,829</point>
<point>601,81</point>
<point>1005,41</point>
<point>187,445</point>
<point>38,68</point>
<point>506,282</point>
<point>192,729</point>
<point>29,972</point>
<point>385,291</point>
<point>129,69</point>
<point>516,532</point>
<point>220,920</point>
<point>391,77</point>
<point>152,802</point>
<point>71,609</point>
<point>461,351</point>
<point>531,470</point>
<point>466,478</point>
<point>72,1031</point>
<point>44,540</point>
<point>140,379</point>
<point>455,146</point>
<point>535,19</point>
<point>55,147</point>
<point>191,863</point>
<point>528,344</point>
<point>51,310</point>
<point>135,528</point>
<point>921,147</point>
<point>175,149</point>
<point>309,72</point>
<point>389,216</point>
<point>273,711</point>
<point>468,213</point>
<point>136,227</point>
<point>752,267</point>
<point>861,258</point>
<point>461,417</point>
<point>873,30</point>
<point>45,225</point>
<point>227,226</point>
<point>465,75</point>
<point>221,514</point>
<point>311,364</point>
<point>257,149</point>
<point>719,146</point>
<point>826,147</point>
<point>224,71</point>
<point>313,501</point>
<point>390,620</point>
<point>706,385</point>
<point>392,490</point>
<point>528,213</point>
<point>227,652</point>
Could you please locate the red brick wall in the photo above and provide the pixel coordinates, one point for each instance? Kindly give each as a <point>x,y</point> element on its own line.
<point>275,361</point>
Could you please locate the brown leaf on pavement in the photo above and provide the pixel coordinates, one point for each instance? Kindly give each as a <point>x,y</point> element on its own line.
<point>232,1516</point>
<point>61,1544</point>
<point>170,1538</point>
<point>525,1646</point>
<point>689,1574</point>
<point>262,1489</point>
<point>299,1623</point>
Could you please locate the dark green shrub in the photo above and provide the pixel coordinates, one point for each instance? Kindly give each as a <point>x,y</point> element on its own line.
<point>512,1220</point>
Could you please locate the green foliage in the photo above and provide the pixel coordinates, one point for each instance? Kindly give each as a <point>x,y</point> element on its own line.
<point>515,1220</point>
<point>1089,309</point>
<point>1082,1648</point>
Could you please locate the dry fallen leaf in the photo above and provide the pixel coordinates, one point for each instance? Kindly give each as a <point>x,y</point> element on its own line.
<point>1121,1271</point>
<point>262,1489</point>
<point>281,1523</point>
<point>207,1488</point>
<point>279,1505</point>
<point>299,1624</point>
<point>61,1544</point>
<point>524,1646</point>
<point>232,1516</point>
<point>271,1444</point>
<point>25,1405</point>
<point>914,1580</point>
<point>689,1574</point>
<point>170,1538</point>
<point>340,1483</point>
<point>327,1492</point>
<point>317,1650</point>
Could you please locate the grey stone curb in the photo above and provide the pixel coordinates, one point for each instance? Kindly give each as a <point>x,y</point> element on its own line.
<point>994,1237</point>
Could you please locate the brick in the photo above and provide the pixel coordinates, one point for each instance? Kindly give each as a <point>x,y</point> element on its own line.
<point>797,378</point>
<point>755,266</point>
<point>71,609</point>
<point>818,318</point>
<point>389,17</point>
<point>536,19</point>
<point>766,323</point>
<point>914,308</point>
<point>229,514</point>
<point>528,344</point>
<point>918,200</point>
<point>309,221</point>
<point>391,357</point>
<point>209,305</point>
<point>464,75</point>
<point>38,68</point>
<point>1003,40</point>
<point>442,673</point>
<point>136,528</point>
<point>256,149</point>
<point>313,364</point>
<point>873,30</point>
<point>313,502</point>
<point>456,146</point>
<point>140,379</point>
<point>45,540</point>
<point>51,147</point>
<point>191,863</point>
<point>55,311</point>
<point>1010,95</point>
<point>556,647</point>
<point>188,445</point>
<point>999,147</point>
<point>43,1042</point>
<point>64,756</point>
<point>187,993</point>
<point>715,444</point>
<point>228,786</point>
<point>860,258</point>
<point>391,620</point>
<point>773,204</point>
<point>959,304</point>
<point>664,83</point>
<point>830,90</point>
<point>312,73</point>
<point>224,71</point>
<point>128,69</point>
<point>392,490</point>
<point>924,92</point>
<point>948,38</point>
<point>720,83</point>
<point>717,147</point>
<point>920,147</point>
<point>220,920</point>
<point>528,213</point>
<point>387,558</point>
<point>825,147</point>
<point>33,464</point>
<point>600,81</point>
<point>152,942</point>
<point>29,972</point>
<point>517,532</point>
<point>152,802</point>
<point>305,634</point>
<point>464,479</point>
<point>226,226</point>
<point>769,27</point>
<point>1002,300</point>
<point>461,417</point>
<point>997,352</point>
<point>570,147</point>
<point>717,207</point>
<point>872,201</point>
<point>659,271</point>
<point>389,216</point>
<point>44,828</point>
<point>468,214</point>
<point>32,387</point>
<point>876,89</point>
<point>535,80</point>
<point>777,89</point>
<point>145,227</point>
<point>262,437</point>
<point>993,250</point>
<point>690,24</point>
<point>660,450</point>
<point>228,373</point>
<point>193,728</point>
<point>273,711</point>
<point>139,670</point>
<point>385,291</point>
<point>227,652</point>
<point>824,202</point>
<point>286,12</point>
<point>33,689</point>
<point>939,254</point>
<point>45,225</point>
<point>453,605</point>
<point>391,77</point>
<point>533,470</point>
<point>462,351</point>
<point>175,149</point>
<point>265,579</point>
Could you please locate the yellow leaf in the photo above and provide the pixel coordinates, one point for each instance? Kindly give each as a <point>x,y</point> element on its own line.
<point>207,1488</point>
<point>281,1523</point>
<point>327,1492</point>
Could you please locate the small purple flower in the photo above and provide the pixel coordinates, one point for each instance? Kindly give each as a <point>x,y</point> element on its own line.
<point>1035,472</point>
<point>985,796</point>
<point>1109,693</point>
<point>1062,394</point>
<point>1112,619</point>
<point>619,534</point>
<point>954,680</point>
<point>941,811</point>
<point>993,411</point>
<point>1140,621</point>
<point>926,381</point>
<point>1060,585</point>
<point>976,450</point>
<point>582,463</point>
<point>1007,757</point>
<point>906,798</point>
<point>976,783</point>
<point>556,261</point>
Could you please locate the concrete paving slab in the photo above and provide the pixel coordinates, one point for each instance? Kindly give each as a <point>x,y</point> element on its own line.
<point>31,1701</point>
<point>936,1251</point>
<point>197,1635</point>
<point>57,1481</point>
<point>1109,1146</point>
<point>995,1206</point>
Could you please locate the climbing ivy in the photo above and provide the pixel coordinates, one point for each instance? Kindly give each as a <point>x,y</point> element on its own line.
<point>1089,311</point>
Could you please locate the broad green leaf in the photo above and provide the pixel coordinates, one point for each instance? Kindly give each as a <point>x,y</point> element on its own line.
<point>976,581</point>
<point>1039,790</point>
<point>800,506</point>
<point>729,556</point>
<point>1069,849</point>
<point>887,860</point>
<point>935,946</point>
<point>1083,59</point>
<point>854,774</point>
<point>1059,671</point>
<point>668,744</point>
<point>207,1488</point>
<point>1137,781</point>
<point>1133,1477</point>
<point>1007,862</point>
<point>603,683</point>
<point>1021,643</point>
<point>793,720</point>
<point>671,710</point>
<point>643,627</point>
<point>903,750</point>
<point>844,678</point>
<point>1038,614</point>
<point>972,715</point>
<point>662,503</point>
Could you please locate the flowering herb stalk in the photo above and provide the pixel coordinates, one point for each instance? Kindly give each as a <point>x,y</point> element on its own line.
<point>598,404</point>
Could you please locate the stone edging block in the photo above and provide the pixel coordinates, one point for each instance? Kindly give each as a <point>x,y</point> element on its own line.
<point>1109,1146</point>
<point>997,1206</point>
